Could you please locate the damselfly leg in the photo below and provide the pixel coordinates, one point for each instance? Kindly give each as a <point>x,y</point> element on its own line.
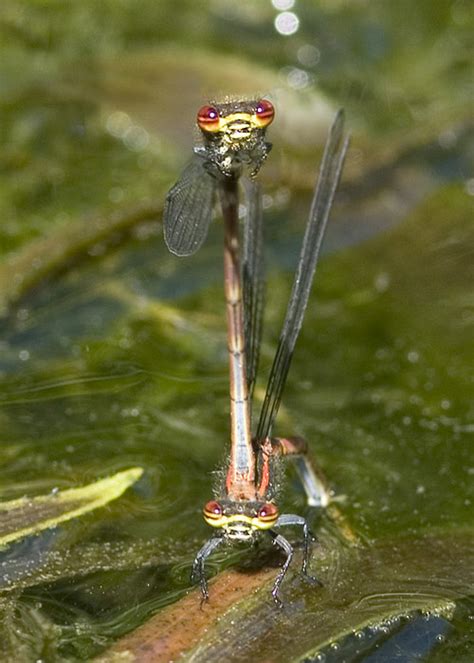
<point>198,573</point>
<point>278,540</point>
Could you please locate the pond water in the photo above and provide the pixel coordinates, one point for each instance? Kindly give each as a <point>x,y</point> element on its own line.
<point>113,351</point>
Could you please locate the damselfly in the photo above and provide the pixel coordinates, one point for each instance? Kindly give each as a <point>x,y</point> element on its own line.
<point>245,505</point>
<point>234,138</point>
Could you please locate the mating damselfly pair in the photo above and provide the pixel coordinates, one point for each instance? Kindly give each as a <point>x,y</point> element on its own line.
<point>233,144</point>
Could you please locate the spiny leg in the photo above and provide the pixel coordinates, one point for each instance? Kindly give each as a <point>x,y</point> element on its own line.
<point>311,477</point>
<point>283,544</point>
<point>292,519</point>
<point>313,480</point>
<point>198,573</point>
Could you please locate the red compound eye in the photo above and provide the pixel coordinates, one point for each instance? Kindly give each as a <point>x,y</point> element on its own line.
<point>208,118</point>
<point>213,509</point>
<point>264,112</point>
<point>268,512</point>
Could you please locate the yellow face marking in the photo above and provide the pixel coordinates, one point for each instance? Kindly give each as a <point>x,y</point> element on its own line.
<point>231,124</point>
<point>239,117</point>
<point>255,523</point>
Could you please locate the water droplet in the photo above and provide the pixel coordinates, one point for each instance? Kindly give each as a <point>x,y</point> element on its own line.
<point>23,314</point>
<point>308,55</point>
<point>267,201</point>
<point>116,194</point>
<point>283,5</point>
<point>469,186</point>
<point>413,356</point>
<point>136,138</point>
<point>447,139</point>
<point>298,79</point>
<point>125,343</point>
<point>382,282</point>
<point>117,123</point>
<point>287,23</point>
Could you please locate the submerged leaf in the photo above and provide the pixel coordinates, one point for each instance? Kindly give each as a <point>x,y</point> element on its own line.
<point>366,594</point>
<point>28,516</point>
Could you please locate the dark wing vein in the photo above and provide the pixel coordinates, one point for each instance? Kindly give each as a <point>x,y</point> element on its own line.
<point>188,209</point>
<point>330,172</point>
<point>252,276</point>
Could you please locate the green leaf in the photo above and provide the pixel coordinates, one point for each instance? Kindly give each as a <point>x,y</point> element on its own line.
<point>28,516</point>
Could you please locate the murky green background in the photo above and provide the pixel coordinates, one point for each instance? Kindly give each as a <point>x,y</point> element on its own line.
<point>113,353</point>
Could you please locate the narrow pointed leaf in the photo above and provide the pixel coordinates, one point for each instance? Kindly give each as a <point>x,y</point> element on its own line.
<point>28,516</point>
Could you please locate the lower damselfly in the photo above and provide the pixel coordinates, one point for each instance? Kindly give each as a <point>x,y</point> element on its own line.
<point>245,506</point>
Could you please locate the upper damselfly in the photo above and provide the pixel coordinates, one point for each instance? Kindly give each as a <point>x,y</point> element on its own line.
<point>234,140</point>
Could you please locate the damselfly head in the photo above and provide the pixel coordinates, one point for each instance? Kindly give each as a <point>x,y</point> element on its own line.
<point>235,121</point>
<point>234,134</point>
<point>240,520</point>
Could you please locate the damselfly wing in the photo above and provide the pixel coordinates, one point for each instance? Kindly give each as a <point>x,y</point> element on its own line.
<point>188,209</point>
<point>330,173</point>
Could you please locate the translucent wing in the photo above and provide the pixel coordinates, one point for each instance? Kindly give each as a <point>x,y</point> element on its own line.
<point>188,209</point>
<point>252,277</point>
<point>331,167</point>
